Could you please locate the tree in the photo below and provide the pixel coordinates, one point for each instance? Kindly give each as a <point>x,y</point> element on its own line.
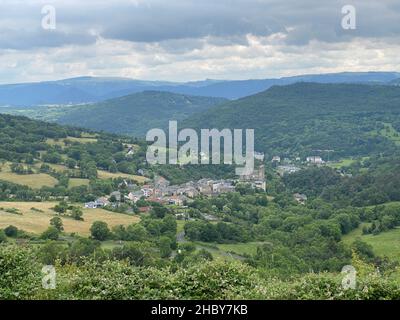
<point>99,230</point>
<point>169,226</point>
<point>71,163</point>
<point>83,247</point>
<point>364,250</point>
<point>138,253</point>
<point>51,233</point>
<point>57,223</point>
<point>51,251</point>
<point>159,212</point>
<point>52,157</point>
<point>203,254</point>
<point>136,232</point>
<point>3,237</point>
<point>77,213</point>
<point>11,231</point>
<point>164,245</point>
<point>62,207</point>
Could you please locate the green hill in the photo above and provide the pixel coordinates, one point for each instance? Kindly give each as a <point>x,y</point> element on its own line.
<point>136,114</point>
<point>299,118</point>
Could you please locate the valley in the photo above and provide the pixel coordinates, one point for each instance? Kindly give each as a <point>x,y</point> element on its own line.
<point>325,193</point>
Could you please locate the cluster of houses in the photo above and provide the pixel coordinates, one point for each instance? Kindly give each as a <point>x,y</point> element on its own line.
<point>287,166</point>
<point>256,179</point>
<point>315,160</point>
<point>160,190</point>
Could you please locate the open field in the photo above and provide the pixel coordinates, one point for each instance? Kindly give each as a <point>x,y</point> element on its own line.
<point>102,174</point>
<point>395,204</point>
<point>61,142</point>
<point>390,133</point>
<point>36,222</point>
<point>35,181</point>
<point>109,175</point>
<point>342,163</point>
<point>76,182</point>
<point>55,167</point>
<point>384,244</point>
<point>240,248</point>
<point>346,162</point>
<point>81,140</point>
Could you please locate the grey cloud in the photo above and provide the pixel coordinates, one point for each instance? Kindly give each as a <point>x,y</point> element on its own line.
<point>230,20</point>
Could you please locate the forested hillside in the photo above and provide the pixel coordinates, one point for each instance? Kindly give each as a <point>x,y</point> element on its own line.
<point>246,236</point>
<point>136,114</point>
<point>296,119</point>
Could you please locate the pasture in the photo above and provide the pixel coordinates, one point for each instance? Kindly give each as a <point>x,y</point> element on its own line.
<point>35,221</point>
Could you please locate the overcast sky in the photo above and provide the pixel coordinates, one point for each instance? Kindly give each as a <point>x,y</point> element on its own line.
<point>181,40</point>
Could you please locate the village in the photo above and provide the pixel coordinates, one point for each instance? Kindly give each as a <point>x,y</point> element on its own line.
<point>160,191</point>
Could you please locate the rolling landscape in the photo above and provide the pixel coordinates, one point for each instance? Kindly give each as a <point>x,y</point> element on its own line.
<point>97,205</point>
<point>87,186</point>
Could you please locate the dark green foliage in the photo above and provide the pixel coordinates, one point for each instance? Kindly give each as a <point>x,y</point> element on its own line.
<point>136,114</point>
<point>137,253</point>
<point>302,117</point>
<point>11,231</point>
<point>100,231</point>
<point>57,223</point>
<point>52,233</point>
<point>375,182</point>
<point>3,236</point>
<point>76,213</point>
<point>220,232</point>
<point>20,273</point>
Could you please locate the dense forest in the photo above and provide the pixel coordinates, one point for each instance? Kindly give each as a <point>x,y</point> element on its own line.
<point>291,250</point>
<point>132,115</point>
<point>297,119</point>
<point>31,146</point>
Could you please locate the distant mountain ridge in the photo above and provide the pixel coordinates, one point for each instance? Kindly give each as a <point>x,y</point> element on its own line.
<point>137,113</point>
<point>95,89</point>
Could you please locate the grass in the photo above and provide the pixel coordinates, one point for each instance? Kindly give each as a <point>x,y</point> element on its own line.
<point>395,204</point>
<point>61,142</point>
<point>389,132</point>
<point>223,251</point>
<point>81,140</point>
<point>110,244</point>
<point>34,181</point>
<point>180,225</point>
<point>342,163</point>
<point>102,174</point>
<point>240,248</point>
<point>36,222</point>
<point>54,142</point>
<point>76,182</point>
<point>56,167</point>
<point>109,175</point>
<point>346,162</point>
<point>384,244</point>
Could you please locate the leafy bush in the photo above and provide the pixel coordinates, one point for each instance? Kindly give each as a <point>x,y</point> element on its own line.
<point>20,273</point>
